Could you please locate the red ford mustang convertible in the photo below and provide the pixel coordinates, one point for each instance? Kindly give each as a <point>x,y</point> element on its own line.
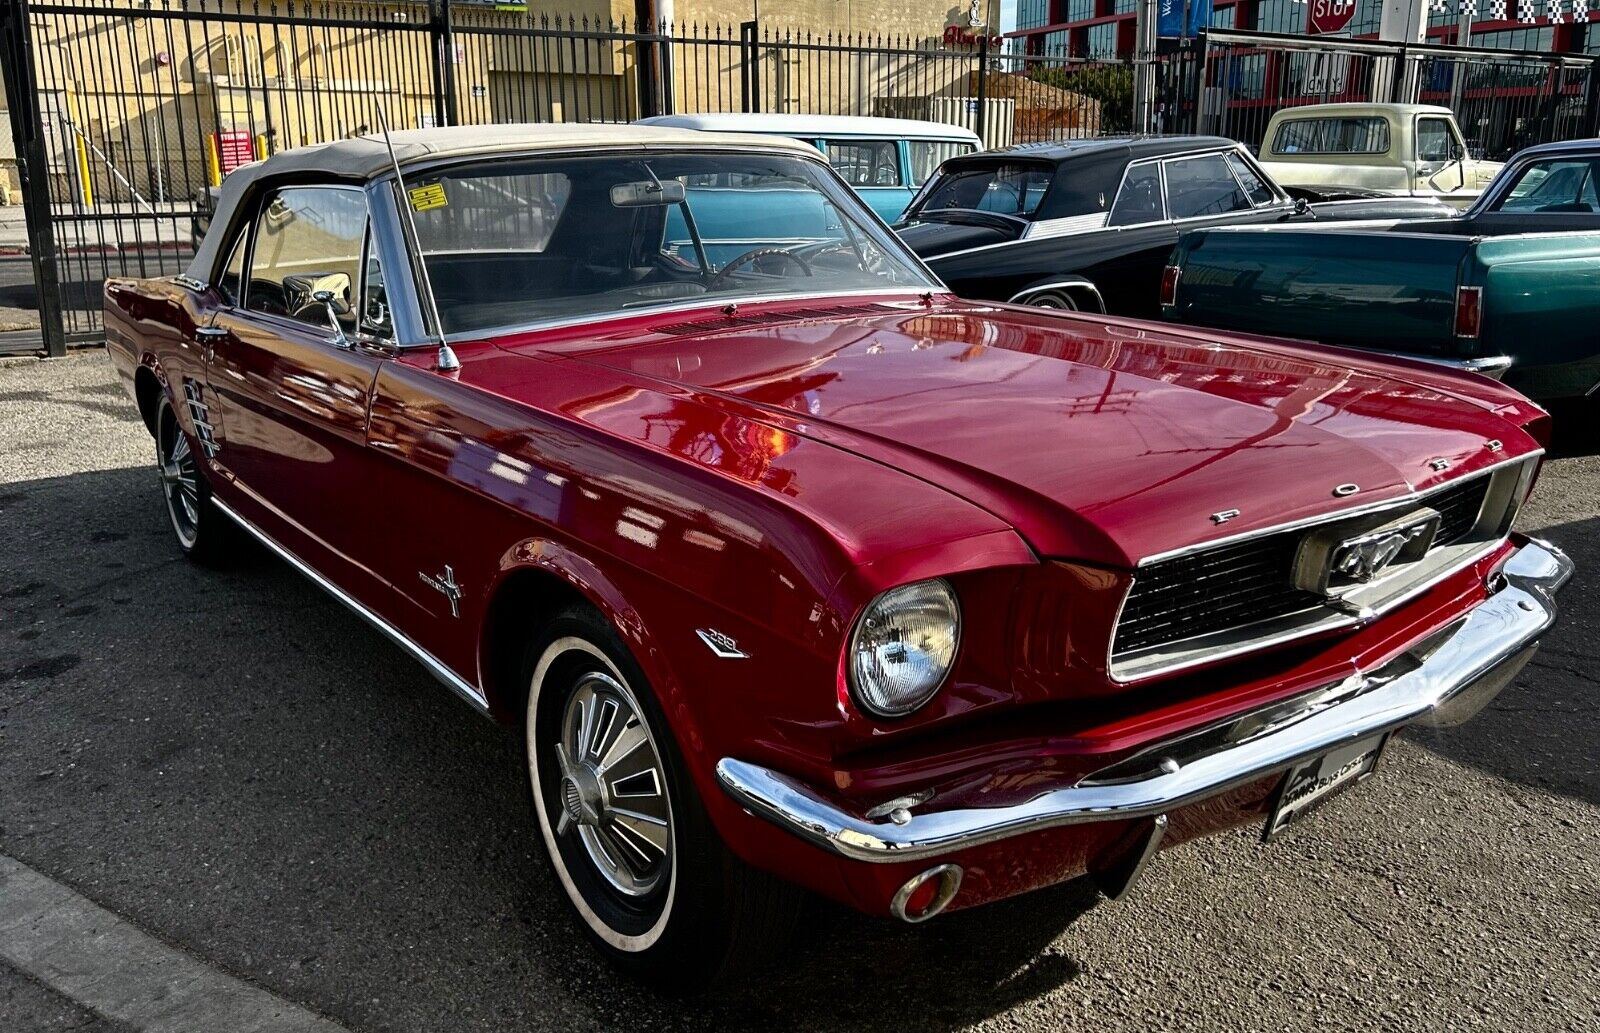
<point>797,570</point>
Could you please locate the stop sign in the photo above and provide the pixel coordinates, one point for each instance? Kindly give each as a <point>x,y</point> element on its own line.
<point>1323,16</point>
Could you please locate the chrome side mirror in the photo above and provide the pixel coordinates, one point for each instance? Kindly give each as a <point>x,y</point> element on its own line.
<point>327,300</point>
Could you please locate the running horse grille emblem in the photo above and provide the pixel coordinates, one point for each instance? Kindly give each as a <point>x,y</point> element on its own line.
<point>446,586</point>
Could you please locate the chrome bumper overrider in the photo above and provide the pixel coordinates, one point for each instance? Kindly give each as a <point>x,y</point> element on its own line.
<point>1442,680</point>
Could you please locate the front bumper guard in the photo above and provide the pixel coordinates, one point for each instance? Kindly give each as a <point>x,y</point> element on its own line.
<point>1442,680</point>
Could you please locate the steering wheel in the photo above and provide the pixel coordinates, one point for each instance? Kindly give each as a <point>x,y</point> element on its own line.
<point>750,256</point>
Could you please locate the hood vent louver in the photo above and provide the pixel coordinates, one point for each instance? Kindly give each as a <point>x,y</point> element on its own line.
<point>794,315</point>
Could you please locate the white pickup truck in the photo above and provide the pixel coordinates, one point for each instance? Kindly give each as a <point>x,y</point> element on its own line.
<point>1396,149</point>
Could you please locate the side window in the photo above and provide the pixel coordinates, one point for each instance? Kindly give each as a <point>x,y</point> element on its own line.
<point>1553,186</point>
<point>1139,200</point>
<point>866,163</point>
<point>1258,191</point>
<point>231,284</point>
<point>309,240</point>
<point>927,154</point>
<point>1202,186</point>
<point>375,320</point>
<point>1434,141</point>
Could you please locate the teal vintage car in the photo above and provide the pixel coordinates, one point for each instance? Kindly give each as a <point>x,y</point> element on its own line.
<point>1511,288</point>
<point>885,160</point>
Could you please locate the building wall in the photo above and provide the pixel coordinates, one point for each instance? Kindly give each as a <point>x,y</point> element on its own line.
<point>1103,28</point>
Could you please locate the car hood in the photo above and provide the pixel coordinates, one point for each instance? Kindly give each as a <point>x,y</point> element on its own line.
<point>1096,440</point>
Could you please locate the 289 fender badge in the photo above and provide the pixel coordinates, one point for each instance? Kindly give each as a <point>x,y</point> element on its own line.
<point>721,644</point>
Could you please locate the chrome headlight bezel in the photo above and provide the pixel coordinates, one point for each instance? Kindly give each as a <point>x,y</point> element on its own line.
<point>873,698</point>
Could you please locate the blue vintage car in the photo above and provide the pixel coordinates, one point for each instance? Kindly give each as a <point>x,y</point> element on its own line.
<point>884,159</point>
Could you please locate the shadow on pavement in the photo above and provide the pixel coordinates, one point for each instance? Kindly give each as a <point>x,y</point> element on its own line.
<point>1542,730</point>
<point>241,766</point>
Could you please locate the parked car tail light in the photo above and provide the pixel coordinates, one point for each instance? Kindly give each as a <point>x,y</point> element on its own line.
<point>1169,285</point>
<point>1469,311</point>
<point>902,647</point>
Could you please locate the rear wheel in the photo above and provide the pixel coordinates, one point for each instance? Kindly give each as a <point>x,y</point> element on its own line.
<point>624,828</point>
<point>1053,299</point>
<point>202,531</point>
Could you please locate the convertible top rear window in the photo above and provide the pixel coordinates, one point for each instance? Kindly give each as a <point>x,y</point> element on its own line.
<point>513,243</point>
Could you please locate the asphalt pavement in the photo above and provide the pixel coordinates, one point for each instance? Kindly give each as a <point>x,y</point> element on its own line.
<point>233,767</point>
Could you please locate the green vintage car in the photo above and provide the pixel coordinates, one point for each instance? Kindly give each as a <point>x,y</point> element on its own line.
<point>1511,288</point>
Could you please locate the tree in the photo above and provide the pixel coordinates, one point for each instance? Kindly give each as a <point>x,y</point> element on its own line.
<point>1111,85</point>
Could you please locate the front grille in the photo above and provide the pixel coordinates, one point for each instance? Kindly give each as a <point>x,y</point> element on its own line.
<point>1250,582</point>
<point>1458,506</point>
<point>1213,590</point>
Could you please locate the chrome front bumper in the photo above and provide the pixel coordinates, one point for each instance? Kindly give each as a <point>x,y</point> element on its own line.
<point>1492,366</point>
<point>1443,680</point>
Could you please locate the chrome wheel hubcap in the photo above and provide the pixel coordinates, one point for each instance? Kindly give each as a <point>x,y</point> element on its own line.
<point>613,793</point>
<point>180,480</point>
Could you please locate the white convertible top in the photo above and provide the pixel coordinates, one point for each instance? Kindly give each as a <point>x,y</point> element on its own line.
<point>367,157</point>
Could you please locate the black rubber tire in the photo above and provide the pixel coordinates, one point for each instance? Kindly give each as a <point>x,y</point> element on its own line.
<point>210,538</point>
<point>718,919</point>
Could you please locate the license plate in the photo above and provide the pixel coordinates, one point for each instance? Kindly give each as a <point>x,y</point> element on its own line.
<point>1311,783</point>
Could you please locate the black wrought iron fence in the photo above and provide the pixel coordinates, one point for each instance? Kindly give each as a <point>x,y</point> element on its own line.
<point>1235,81</point>
<point>127,113</point>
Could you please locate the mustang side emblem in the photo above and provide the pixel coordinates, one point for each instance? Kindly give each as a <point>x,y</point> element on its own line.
<point>1224,516</point>
<point>447,586</point>
<point>721,644</point>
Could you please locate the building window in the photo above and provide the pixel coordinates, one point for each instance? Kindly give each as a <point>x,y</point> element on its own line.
<point>1056,43</point>
<point>1103,40</point>
<point>1032,14</point>
<point>1224,18</point>
<point>1124,6</point>
<point>1541,38</point>
<point>1080,10</point>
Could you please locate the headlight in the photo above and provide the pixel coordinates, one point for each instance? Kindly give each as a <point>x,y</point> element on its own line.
<point>903,646</point>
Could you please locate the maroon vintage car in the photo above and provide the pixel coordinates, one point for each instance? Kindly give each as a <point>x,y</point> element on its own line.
<point>797,569</point>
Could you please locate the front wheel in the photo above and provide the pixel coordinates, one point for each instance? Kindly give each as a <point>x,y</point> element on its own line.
<point>203,533</point>
<point>625,831</point>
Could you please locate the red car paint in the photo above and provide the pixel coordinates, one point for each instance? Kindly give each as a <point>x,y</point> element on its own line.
<point>768,477</point>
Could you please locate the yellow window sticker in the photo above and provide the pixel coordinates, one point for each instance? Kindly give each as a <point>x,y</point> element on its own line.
<point>427,198</point>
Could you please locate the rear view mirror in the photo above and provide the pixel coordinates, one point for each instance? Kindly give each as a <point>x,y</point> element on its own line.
<point>647,194</point>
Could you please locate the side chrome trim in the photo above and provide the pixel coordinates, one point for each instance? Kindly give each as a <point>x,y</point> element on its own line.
<point>435,666</point>
<point>1411,498</point>
<point>1442,680</point>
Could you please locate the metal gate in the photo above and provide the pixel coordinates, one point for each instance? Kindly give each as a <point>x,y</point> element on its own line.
<point>127,113</point>
<point>1235,81</point>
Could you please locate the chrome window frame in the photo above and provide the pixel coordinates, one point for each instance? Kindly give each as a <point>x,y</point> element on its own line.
<point>1325,617</point>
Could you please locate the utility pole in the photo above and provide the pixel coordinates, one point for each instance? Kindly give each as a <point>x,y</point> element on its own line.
<point>1144,66</point>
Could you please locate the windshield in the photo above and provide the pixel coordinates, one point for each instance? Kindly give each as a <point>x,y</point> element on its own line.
<point>509,243</point>
<point>1010,189</point>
